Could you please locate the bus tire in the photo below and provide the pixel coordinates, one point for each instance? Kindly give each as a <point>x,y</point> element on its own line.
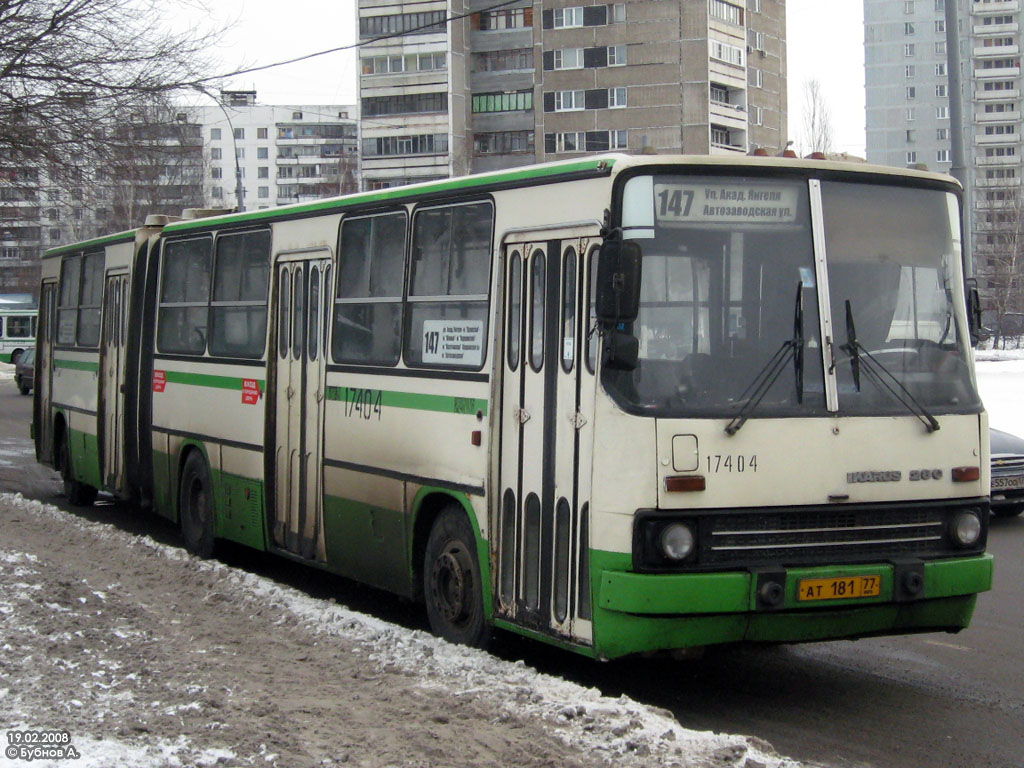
<point>196,506</point>
<point>24,388</point>
<point>79,494</point>
<point>452,586</point>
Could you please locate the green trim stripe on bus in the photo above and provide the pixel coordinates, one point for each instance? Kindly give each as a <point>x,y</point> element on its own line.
<point>208,380</point>
<point>419,402</point>
<point>76,365</point>
<point>127,236</point>
<point>397,193</point>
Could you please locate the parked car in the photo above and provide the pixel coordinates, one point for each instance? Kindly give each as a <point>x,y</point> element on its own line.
<point>1007,473</point>
<point>25,370</point>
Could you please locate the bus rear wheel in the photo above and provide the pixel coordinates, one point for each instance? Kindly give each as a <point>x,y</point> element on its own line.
<point>452,585</point>
<point>195,506</point>
<point>79,494</point>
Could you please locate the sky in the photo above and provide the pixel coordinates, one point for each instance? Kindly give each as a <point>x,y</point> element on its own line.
<point>824,39</point>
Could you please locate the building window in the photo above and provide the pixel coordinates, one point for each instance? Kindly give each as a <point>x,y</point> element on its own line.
<point>513,18</point>
<point>499,61</point>
<point>756,116</point>
<point>940,48</point>
<point>719,94</point>
<point>565,18</point>
<point>215,134</point>
<point>216,153</point>
<point>940,91</point>
<point>942,113</point>
<point>262,153</point>
<point>911,92</point>
<point>911,135</point>
<point>756,77</point>
<point>619,12</point>
<point>908,49</point>
<point>908,6</point>
<point>911,157</point>
<point>262,134</point>
<point>726,12</point>
<point>719,136</point>
<point>239,133</point>
<point>514,101</point>
<point>616,55</point>
<point>240,153</point>
<point>908,28</point>
<point>730,54</point>
<point>432,62</point>
<point>616,98</point>
<point>942,134</point>
<point>421,144</point>
<point>940,26</point>
<point>569,58</point>
<point>569,101</point>
<point>408,103</point>
<point>263,191</point>
<point>757,40</point>
<point>940,70</point>
<point>216,173</point>
<point>502,142</point>
<point>263,172</point>
<point>430,22</point>
<point>909,70</point>
<point>217,192</point>
<point>584,141</point>
<point>942,156</point>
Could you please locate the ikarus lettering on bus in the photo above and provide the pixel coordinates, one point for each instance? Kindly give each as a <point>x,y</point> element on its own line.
<point>453,342</point>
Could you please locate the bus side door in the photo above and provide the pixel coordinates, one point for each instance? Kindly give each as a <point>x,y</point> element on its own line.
<point>302,311</point>
<point>112,364</point>
<point>546,422</point>
<point>43,389</point>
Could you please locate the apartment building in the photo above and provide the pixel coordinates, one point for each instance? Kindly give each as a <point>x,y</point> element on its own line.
<point>456,86</point>
<point>236,153</point>
<point>908,117</point>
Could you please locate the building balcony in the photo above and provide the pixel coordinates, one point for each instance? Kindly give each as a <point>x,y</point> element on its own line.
<point>727,149</point>
<point>997,117</point>
<point>1002,161</point>
<point>300,160</point>
<point>992,51</point>
<point>983,95</point>
<point>998,183</point>
<point>996,74</point>
<point>995,29</point>
<point>1001,138</point>
<point>732,116</point>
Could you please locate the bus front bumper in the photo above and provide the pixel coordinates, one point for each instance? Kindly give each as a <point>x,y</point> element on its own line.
<point>639,612</point>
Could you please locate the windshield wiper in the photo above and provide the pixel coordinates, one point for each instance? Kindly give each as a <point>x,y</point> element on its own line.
<point>771,370</point>
<point>880,375</point>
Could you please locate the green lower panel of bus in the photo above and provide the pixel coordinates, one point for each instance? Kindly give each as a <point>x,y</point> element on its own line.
<point>367,543</point>
<point>85,457</point>
<point>239,509</point>
<point>636,612</point>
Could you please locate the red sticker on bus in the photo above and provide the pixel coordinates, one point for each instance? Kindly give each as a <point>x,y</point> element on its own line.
<point>250,391</point>
<point>159,381</point>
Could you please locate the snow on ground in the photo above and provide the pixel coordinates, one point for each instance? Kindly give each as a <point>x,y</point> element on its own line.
<point>6,372</point>
<point>1001,383</point>
<point>602,729</point>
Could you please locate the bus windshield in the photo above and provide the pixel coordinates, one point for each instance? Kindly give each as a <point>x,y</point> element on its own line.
<point>730,305</point>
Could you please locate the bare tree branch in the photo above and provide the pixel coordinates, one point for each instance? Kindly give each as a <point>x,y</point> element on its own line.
<point>817,120</point>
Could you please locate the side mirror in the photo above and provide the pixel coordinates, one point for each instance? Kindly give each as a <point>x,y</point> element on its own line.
<point>618,282</point>
<point>977,332</point>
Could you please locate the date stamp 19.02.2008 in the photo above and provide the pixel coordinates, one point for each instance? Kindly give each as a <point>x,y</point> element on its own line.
<point>29,745</point>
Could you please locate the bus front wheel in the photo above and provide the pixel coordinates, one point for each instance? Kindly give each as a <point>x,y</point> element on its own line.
<point>195,506</point>
<point>451,581</point>
<point>78,493</point>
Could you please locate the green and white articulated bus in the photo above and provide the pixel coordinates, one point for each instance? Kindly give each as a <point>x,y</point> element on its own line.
<point>17,330</point>
<point>620,404</point>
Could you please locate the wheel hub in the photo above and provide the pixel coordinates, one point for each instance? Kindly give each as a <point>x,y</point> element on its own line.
<point>450,584</point>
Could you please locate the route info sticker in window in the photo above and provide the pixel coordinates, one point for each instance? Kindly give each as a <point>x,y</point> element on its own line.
<point>453,342</point>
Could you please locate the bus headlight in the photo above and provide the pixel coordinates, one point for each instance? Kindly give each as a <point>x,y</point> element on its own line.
<point>676,541</point>
<point>966,528</point>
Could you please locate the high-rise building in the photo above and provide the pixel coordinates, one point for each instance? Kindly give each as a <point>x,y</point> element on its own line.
<point>454,86</point>
<point>908,111</point>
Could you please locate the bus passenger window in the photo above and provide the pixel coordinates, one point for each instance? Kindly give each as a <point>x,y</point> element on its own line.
<point>238,320</point>
<point>184,296</point>
<point>449,278</point>
<point>368,307</point>
<point>70,277</point>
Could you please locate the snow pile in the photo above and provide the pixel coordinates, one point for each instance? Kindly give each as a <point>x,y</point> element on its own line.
<point>1000,382</point>
<point>620,731</point>
<point>6,372</point>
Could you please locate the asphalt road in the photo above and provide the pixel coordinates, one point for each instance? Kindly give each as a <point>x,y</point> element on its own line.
<point>926,701</point>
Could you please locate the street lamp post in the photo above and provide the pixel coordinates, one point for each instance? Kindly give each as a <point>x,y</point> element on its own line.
<point>239,189</point>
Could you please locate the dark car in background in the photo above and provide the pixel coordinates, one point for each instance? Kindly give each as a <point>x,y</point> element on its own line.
<point>25,370</point>
<point>1007,473</point>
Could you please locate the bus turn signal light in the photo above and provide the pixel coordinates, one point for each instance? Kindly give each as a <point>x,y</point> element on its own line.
<point>966,474</point>
<point>680,483</point>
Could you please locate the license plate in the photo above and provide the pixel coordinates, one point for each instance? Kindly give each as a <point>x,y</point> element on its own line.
<point>1007,483</point>
<point>842,588</point>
